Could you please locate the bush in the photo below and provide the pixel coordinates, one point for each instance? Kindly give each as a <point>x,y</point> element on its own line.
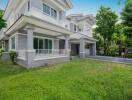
<point>1,50</point>
<point>129,55</point>
<point>13,56</point>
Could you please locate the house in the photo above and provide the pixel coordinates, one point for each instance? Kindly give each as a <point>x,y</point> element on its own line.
<point>42,34</point>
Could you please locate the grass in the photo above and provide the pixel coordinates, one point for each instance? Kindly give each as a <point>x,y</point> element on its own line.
<point>75,80</point>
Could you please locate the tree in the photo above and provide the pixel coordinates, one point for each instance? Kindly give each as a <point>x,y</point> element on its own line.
<point>100,43</point>
<point>126,17</point>
<point>119,38</point>
<point>124,1</point>
<point>105,21</point>
<point>2,21</point>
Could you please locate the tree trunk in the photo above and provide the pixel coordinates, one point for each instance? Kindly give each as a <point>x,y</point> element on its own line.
<point>126,52</point>
<point>105,48</point>
<point>120,49</point>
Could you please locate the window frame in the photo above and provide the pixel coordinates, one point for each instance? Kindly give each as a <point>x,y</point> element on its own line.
<point>29,5</point>
<point>50,11</point>
<point>44,46</point>
<point>11,43</point>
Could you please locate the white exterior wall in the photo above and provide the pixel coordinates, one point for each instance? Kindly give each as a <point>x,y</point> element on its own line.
<point>37,11</point>
<point>56,44</point>
<point>22,42</point>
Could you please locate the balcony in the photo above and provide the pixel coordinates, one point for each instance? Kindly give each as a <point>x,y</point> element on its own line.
<point>43,16</point>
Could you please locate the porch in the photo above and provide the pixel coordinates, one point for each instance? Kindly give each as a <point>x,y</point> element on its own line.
<point>36,49</point>
<point>82,45</point>
<point>38,42</point>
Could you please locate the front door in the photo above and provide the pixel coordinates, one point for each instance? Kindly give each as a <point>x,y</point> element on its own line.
<point>75,49</point>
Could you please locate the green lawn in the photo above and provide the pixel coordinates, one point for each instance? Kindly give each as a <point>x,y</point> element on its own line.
<point>75,80</point>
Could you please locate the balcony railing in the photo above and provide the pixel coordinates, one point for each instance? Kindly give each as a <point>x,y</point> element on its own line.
<point>50,52</point>
<point>41,15</point>
<point>43,53</point>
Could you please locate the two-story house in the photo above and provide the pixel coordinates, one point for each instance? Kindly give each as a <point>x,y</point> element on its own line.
<point>82,42</point>
<point>42,34</point>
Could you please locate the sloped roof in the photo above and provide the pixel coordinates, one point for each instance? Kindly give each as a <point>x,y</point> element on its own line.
<point>81,35</point>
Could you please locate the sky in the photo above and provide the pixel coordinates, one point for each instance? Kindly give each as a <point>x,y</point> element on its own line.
<point>85,6</point>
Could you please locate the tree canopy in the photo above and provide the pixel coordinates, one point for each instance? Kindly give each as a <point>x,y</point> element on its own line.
<point>2,21</point>
<point>126,17</point>
<point>105,21</point>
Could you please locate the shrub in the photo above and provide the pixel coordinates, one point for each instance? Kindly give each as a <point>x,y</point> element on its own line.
<point>1,50</point>
<point>13,56</point>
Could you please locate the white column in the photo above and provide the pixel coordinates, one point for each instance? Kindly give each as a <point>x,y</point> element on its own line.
<point>29,39</point>
<point>3,44</point>
<point>30,51</point>
<point>94,49</point>
<point>16,41</point>
<point>82,48</point>
<point>67,45</point>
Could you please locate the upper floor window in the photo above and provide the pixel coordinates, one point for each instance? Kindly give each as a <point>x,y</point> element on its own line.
<point>75,28</point>
<point>28,5</point>
<point>53,13</point>
<point>49,11</point>
<point>46,9</point>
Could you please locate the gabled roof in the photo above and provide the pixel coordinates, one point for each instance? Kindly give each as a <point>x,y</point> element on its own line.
<point>65,3</point>
<point>69,3</point>
<point>78,36</point>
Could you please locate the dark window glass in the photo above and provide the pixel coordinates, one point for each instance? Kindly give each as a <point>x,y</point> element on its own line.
<point>53,13</point>
<point>41,45</point>
<point>46,43</point>
<point>50,44</point>
<point>28,5</point>
<point>46,9</point>
<point>35,43</point>
<point>75,28</point>
<point>13,43</point>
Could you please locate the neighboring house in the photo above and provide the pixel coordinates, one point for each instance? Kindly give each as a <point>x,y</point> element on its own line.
<point>42,34</point>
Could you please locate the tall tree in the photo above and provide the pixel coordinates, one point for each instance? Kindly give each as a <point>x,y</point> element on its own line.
<point>127,22</point>
<point>119,37</point>
<point>2,21</point>
<point>105,21</point>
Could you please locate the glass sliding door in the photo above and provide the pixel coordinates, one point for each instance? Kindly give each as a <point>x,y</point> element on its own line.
<point>35,44</point>
<point>43,45</point>
<point>50,46</point>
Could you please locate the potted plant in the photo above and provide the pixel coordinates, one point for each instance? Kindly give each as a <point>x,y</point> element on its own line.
<point>13,56</point>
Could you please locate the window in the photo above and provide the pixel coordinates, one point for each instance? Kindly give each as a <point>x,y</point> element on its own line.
<point>13,43</point>
<point>49,11</point>
<point>49,44</point>
<point>46,9</point>
<point>53,13</point>
<point>28,5</point>
<point>66,26</point>
<point>35,43</point>
<point>75,28</point>
<point>41,43</point>
<point>79,29</point>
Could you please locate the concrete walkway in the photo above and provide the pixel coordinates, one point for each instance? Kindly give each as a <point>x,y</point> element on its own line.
<point>112,59</point>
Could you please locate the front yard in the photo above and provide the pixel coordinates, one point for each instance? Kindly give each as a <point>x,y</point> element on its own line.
<point>75,80</point>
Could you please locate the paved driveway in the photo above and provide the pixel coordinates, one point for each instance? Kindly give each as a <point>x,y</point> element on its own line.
<point>112,59</point>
